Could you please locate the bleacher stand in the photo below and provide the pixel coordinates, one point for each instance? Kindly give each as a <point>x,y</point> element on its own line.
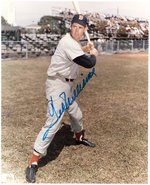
<point>103,29</point>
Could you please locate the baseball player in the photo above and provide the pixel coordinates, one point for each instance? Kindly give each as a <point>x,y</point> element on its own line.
<point>62,72</point>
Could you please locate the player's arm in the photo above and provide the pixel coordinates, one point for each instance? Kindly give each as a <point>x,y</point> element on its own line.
<point>87,61</point>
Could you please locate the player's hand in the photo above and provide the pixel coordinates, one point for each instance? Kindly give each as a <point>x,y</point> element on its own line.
<point>87,48</point>
<point>90,46</point>
<point>94,52</point>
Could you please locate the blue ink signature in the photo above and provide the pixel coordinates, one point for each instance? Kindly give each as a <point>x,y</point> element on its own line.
<point>67,102</point>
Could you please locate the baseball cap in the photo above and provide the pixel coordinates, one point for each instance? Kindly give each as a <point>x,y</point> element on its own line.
<point>80,19</point>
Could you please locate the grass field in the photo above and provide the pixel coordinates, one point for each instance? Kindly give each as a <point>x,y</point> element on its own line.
<point>114,105</point>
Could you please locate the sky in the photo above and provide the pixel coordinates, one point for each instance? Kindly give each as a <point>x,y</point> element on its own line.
<point>29,12</point>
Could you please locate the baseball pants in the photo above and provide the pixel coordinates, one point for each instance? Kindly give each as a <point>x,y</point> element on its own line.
<point>54,87</point>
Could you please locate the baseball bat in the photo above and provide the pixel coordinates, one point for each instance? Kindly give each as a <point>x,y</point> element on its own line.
<point>77,8</point>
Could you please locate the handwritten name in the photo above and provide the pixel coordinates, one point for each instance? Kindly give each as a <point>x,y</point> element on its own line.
<point>67,102</point>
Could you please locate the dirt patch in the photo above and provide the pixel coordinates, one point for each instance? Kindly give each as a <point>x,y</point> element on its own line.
<point>114,106</point>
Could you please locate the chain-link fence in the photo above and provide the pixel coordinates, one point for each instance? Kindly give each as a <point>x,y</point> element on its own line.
<point>46,45</point>
<point>116,46</point>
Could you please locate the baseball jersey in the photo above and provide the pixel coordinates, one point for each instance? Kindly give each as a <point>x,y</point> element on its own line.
<point>62,61</point>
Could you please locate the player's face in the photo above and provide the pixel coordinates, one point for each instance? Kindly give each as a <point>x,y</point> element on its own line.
<point>77,31</point>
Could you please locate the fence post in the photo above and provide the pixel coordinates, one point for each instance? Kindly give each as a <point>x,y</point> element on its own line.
<point>143,45</point>
<point>112,45</point>
<point>132,45</point>
<point>26,50</point>
<point>117,45</point>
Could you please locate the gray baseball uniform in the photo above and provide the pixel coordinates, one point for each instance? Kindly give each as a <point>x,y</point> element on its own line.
<point>61,67</point>
<point>61,96</point>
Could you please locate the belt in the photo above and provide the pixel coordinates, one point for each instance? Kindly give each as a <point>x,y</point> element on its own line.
<point>69,80</point>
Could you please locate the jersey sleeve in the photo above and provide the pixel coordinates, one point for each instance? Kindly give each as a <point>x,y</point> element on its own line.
<point>73,49</point>
<point>87,61</point>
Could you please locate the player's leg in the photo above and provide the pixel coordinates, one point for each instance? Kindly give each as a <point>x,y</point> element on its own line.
<point>76,118</point>
<point>42,142</point>
<point>50,128</point>
<point>53,89</point>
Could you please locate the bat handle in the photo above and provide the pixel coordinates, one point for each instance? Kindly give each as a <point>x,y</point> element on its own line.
<point>87,35</point>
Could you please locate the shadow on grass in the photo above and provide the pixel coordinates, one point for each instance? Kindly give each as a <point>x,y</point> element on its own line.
<point>64,137</point>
